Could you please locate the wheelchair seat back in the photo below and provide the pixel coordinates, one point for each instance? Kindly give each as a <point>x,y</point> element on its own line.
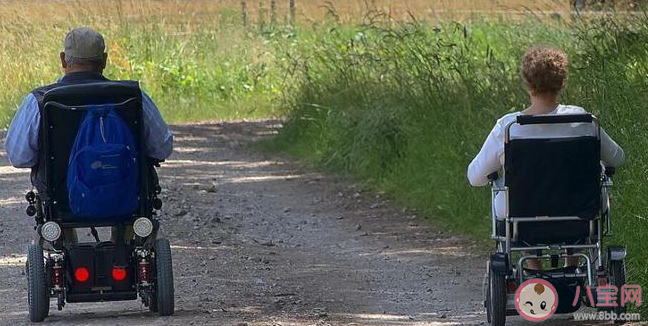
<point>62,114</point>
<point>553,178</point>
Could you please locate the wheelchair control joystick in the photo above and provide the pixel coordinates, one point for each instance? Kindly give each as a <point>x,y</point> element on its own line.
<point>609,171</point>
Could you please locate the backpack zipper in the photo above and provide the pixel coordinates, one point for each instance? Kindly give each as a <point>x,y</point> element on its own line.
<point>101,126</point>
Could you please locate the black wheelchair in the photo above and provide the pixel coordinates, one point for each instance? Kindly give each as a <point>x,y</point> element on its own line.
<point>134,262</point>
<point>557,209</point>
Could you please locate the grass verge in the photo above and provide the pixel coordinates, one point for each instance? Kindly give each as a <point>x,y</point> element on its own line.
<point>406,108</point>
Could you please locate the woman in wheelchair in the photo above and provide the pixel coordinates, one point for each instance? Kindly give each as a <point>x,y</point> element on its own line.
<point>544,71</point>
<point>549,166</point>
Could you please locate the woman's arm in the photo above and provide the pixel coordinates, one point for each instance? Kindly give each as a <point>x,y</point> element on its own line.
<point>487,161</point>
<point>611,153</point>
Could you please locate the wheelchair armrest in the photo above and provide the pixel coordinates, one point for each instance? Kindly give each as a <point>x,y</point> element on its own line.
<point>154,162</point>
<point>609,171</point>
<point>493,176</point>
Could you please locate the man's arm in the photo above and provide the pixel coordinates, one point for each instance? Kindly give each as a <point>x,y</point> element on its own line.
<point>157,136</point>
<point>21,143</point>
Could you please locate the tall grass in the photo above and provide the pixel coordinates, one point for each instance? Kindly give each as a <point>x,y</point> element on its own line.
<point>406,108</point>
<point>193,57</point>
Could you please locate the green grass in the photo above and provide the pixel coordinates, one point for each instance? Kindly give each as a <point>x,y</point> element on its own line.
<point>194,68</point>
<point>406,108</point>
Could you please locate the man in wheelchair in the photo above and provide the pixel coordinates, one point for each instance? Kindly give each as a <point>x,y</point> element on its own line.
<point>549,166</point>
<point>92,145</point>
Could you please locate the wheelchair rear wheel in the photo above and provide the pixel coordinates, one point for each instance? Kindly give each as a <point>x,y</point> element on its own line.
<point>38,294</point>
<point>163,300</point>
<point>496,299</point>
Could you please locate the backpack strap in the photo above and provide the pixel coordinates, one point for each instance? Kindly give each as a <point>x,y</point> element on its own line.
<point>120,247</point>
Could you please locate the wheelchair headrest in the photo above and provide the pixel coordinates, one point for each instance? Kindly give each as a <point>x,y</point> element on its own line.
<point>554,119</point>
<point>93,93</point>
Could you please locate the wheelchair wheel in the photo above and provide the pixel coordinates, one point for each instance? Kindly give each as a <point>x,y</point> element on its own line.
<point>486,294</point>
<point>618,279</point>
<point>496,299</point>
<point>38,294</point>
<point>152,303</point>
<point>163,300</point>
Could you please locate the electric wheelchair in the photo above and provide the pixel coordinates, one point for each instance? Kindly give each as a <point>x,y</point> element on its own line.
<point>134,262</point>
<point>556,209</point>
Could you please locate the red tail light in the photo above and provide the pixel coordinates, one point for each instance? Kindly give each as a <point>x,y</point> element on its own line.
<point>512,287</point>
<point>81,274</point>
<point>119,274</point>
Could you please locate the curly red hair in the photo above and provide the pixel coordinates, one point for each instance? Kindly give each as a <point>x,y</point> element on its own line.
<point>544,69</point>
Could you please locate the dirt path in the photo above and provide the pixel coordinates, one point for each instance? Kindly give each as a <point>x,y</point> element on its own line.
<point>260,241</point>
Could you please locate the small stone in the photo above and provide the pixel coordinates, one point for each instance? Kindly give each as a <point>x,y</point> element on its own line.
<point>181,213</point>
<point>358,227</point>
<point>287,209</point>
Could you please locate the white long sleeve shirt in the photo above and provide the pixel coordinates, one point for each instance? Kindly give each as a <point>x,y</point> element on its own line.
<point>491,156</point>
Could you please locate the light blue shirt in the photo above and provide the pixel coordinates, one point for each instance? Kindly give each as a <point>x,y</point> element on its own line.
<point>21,143</point>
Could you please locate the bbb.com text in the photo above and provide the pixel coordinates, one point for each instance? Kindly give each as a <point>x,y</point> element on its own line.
<point>607,316</point>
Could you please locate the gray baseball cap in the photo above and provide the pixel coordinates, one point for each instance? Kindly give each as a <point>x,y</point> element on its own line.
<point>84,43</point>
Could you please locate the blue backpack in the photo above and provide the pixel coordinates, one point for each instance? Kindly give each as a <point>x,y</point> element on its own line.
<point>102,177</point>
